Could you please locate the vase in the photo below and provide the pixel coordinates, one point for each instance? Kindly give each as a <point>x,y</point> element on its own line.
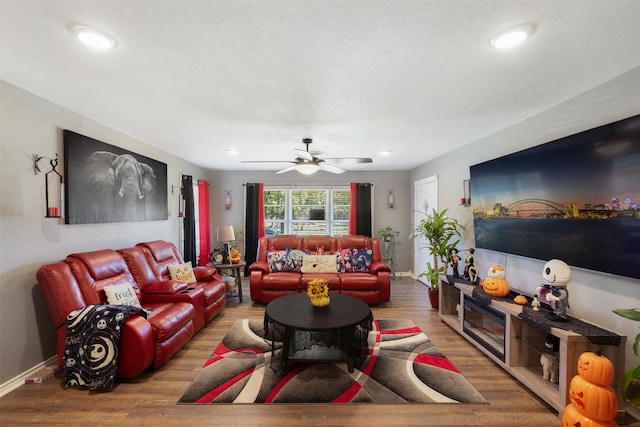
<point>320,302</point>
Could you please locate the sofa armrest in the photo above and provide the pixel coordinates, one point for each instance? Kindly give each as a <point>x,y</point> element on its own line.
<point>203,273</point>
<point>377,267</point>
<point>165,287</point>
<point>260,266</point>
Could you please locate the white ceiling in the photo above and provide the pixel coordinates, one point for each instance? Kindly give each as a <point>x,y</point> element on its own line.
<point>417,77</point>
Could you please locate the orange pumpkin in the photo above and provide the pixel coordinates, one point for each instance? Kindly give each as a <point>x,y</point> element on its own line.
<point>595,368</point>
<point>520,299</point>
<point>572,418</point>
<point>593,401</point>
<point>496,287</point>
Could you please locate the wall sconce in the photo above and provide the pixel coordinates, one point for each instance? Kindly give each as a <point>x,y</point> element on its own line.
<point>391,199</point>
<point>466,191</point>
<point>228,200</point>
<point>226,235</point>
<point>53,187</point>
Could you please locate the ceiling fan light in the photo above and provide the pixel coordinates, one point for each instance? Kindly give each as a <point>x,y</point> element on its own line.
<point>307,168</point>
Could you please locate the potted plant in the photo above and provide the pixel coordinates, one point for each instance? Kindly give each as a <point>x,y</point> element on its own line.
<point>631,378</point>
<point>441,234</point>
<point>387,234</point>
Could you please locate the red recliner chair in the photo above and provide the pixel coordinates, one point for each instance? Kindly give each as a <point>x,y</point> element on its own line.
<point>80,280</point>
<point>160,254</point>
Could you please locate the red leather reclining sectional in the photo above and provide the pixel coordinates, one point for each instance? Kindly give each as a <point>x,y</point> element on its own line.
<point>178,310</point>
<point>371,287</point>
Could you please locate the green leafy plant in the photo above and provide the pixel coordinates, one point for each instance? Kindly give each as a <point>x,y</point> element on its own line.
<point>387,234</point>
<point>442,234</point>
<point>631,378</point>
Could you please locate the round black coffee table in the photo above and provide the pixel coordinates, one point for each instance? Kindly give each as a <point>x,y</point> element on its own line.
<point>337,332</point>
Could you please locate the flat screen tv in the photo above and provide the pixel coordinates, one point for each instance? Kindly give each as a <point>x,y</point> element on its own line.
<point>575,199</point>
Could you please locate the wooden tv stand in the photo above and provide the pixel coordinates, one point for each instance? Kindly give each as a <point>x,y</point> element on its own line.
<point>523,345</point>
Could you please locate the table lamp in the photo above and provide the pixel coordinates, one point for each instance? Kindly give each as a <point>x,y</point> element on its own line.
<point>226,235</point>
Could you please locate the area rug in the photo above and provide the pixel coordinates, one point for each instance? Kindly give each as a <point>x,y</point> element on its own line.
<point>402,366</point>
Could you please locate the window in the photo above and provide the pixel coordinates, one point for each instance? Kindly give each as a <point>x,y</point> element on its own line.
<point>306,210</point>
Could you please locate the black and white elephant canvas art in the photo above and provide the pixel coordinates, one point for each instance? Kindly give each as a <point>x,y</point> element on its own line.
<point>105,183</point>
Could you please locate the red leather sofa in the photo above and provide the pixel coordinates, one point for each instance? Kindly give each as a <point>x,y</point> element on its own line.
<point>176,310</point>
<point>372,287</point>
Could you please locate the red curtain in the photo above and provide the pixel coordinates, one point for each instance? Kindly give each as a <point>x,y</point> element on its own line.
<point>352,209</point>
<point>203,221</point>
<point>261,230</point>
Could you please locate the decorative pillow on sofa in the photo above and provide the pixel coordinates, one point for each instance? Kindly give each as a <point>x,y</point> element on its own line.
<point>345,261</point>
<point>294,260</point>
<point>277,260</point>
<point>122,294</point>
<point>362,259</point>
<point>320,264</point>
<point>182,272</point>
<point>354,260</point>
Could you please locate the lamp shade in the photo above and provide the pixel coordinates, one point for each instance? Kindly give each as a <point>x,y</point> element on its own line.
<point>225,233</point>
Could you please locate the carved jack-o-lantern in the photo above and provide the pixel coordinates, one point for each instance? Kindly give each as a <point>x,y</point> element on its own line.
<point>595,368</point>
<point>593,401</point>
<point>495,284</point>
<point>572,418</point>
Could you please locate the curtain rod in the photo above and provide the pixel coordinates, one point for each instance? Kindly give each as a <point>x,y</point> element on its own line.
<point>307,185</point>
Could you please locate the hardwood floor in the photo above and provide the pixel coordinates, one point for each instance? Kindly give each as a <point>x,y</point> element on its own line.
<point>150,400</point>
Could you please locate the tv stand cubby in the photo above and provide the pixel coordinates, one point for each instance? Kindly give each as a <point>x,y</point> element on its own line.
<point>516,347</point>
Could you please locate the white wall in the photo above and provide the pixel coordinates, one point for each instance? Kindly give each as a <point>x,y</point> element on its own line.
<point>31,125</point>
<point>592,295</point>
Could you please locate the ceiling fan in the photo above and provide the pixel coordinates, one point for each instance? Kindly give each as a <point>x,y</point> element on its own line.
<point>307,163</point>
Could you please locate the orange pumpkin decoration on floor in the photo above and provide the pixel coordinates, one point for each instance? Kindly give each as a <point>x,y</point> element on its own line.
<point>572,418</point>
<point>593,401</point>
<point>495,284</point>
<point>596,368</point>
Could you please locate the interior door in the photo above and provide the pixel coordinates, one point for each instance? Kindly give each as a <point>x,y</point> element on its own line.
<point>425,200</point>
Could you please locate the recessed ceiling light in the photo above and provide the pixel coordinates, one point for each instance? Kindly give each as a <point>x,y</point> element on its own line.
<point>232,151</point>
<point>512,37</point>
<point>385,152</point>
<point>94,38</point>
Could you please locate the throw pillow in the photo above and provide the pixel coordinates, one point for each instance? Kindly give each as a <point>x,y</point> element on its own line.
<point>345,261</point>
<point>320,264</point>
<point>122,294</point>
<point>294,260</point>
<point>277,260</point>
<point>182,273</point>
<point>362,259</point>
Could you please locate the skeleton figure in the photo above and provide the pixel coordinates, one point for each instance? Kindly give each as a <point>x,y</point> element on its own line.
<point>556,275</point>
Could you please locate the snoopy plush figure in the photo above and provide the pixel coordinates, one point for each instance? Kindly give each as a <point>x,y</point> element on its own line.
<point>556,275</point>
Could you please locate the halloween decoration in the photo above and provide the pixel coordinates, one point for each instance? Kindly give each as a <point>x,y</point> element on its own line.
<point>556,275</point>
<point>470,271</point>
<point>535,304</point>
<point>550,367</point>
<point>593,401</point>
<point>571,418</point>
<point>521,300</point>
<point>495,284</point>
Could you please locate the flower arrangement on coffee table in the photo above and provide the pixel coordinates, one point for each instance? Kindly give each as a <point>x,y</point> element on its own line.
<point>318,292</point>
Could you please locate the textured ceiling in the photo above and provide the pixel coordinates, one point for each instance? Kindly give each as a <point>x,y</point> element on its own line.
<point>419,78</point>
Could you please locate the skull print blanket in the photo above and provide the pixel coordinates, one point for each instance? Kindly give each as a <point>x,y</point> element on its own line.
<point>92,344</point>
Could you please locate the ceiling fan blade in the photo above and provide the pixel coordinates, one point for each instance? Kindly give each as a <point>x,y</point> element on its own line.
<point>330,168</point>
<point>266,161</point>
<point>287,169</point>
<point>303,154</point>
<point>346,160</point>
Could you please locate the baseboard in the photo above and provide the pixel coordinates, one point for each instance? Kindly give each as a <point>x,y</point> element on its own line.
<point>17,381</point>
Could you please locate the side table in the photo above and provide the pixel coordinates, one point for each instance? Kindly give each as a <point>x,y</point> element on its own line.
<point>235,271</point>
